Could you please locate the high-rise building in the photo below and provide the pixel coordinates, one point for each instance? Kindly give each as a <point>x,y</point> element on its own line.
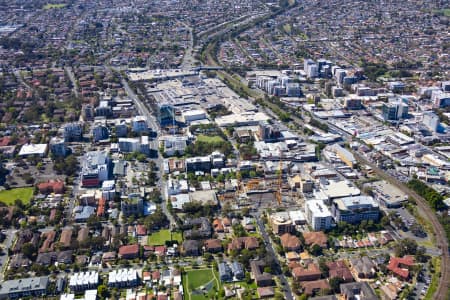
<point>431,120</point>
<point>318,215</point>
<point>355,209</point>
<point>395,110</point>
<point>73,132</point>
<point>100,132</point>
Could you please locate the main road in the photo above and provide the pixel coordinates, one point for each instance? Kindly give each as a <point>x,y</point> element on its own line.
<point>144,111</point>
<point>269,247</point>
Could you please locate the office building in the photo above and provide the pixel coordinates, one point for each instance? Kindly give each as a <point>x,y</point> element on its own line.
<point>355,209</point>
<point>440,99</point>
<point>97,167</point>
<point>73,132</point>
<point>139,144</point>
<point>139,124</point>
<point>103,109</point>
<point>58,147</point>
<point>394,110</point>
<point>445,85</point>
<point>100,132</point>
<point>199,163</point>
<point>318,215</point>
<point>431,120</point>
<point>121,129</point>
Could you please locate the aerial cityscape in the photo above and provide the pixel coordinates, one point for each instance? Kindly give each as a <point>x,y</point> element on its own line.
<point>234,149</point>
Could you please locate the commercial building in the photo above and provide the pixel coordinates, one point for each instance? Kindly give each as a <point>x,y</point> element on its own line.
<point>193,115</point>
<point>32,287</point>
<point>33,149</point>
<point>355,209</point>
<point>318,215</point>
<point>139,144</point>
<point>345,155</point>
<point>97,167</point>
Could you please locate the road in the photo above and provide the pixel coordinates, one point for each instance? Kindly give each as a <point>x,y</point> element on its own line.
<point>286,288</point>
<point>188,58</point>
<point>7,243</point>
<point>144,111</point>
<point>69,73</point>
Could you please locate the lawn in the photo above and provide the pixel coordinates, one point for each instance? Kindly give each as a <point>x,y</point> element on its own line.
<point>160,237</point>
<point>54,6</point>
<point>193,280</point>
<point>9,196</point>
<point>434,278</point>
<point>210,139</point>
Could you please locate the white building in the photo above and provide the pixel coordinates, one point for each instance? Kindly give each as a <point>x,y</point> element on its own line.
<point>318,215</point>
<point>83,281</point>
<point>139,144</point>
<point>33,149</point>
<point>194,115</point>
<point>123,278</point>
<point>431,120</point>
<point>175,186</point>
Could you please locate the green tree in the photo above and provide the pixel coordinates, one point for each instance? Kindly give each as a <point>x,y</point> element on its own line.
<point>103,291</point>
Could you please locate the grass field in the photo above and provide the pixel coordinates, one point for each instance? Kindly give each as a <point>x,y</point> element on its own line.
<point>160,237</point>
<point>434,279</point>
<point>210,139</point>
<point>194,280</point>
<point>54,6</point>
<point>9,196</point>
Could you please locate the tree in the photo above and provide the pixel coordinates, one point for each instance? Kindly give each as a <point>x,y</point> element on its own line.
<point>405,247</point>
<point>316,250</point>
<point>335,284</point>
<point>103,291</point>
<point>28,250</point>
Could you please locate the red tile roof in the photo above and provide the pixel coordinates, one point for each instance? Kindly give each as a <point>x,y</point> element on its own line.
<point>129,250</point>
<point>399,266</point>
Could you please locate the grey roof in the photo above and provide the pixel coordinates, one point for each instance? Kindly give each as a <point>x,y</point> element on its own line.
<point>363,289</point>
<point>86,212</point>
<point>24,284</point>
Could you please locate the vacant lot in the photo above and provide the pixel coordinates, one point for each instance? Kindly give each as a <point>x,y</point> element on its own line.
<point>160,237</point>
<point>210,139</point>
<point>9,196</point>
<point>54,6</point>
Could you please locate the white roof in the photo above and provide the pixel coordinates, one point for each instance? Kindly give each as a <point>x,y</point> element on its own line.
<point>33,149</point>
<point>318,208</point>
<point>340,189</point>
